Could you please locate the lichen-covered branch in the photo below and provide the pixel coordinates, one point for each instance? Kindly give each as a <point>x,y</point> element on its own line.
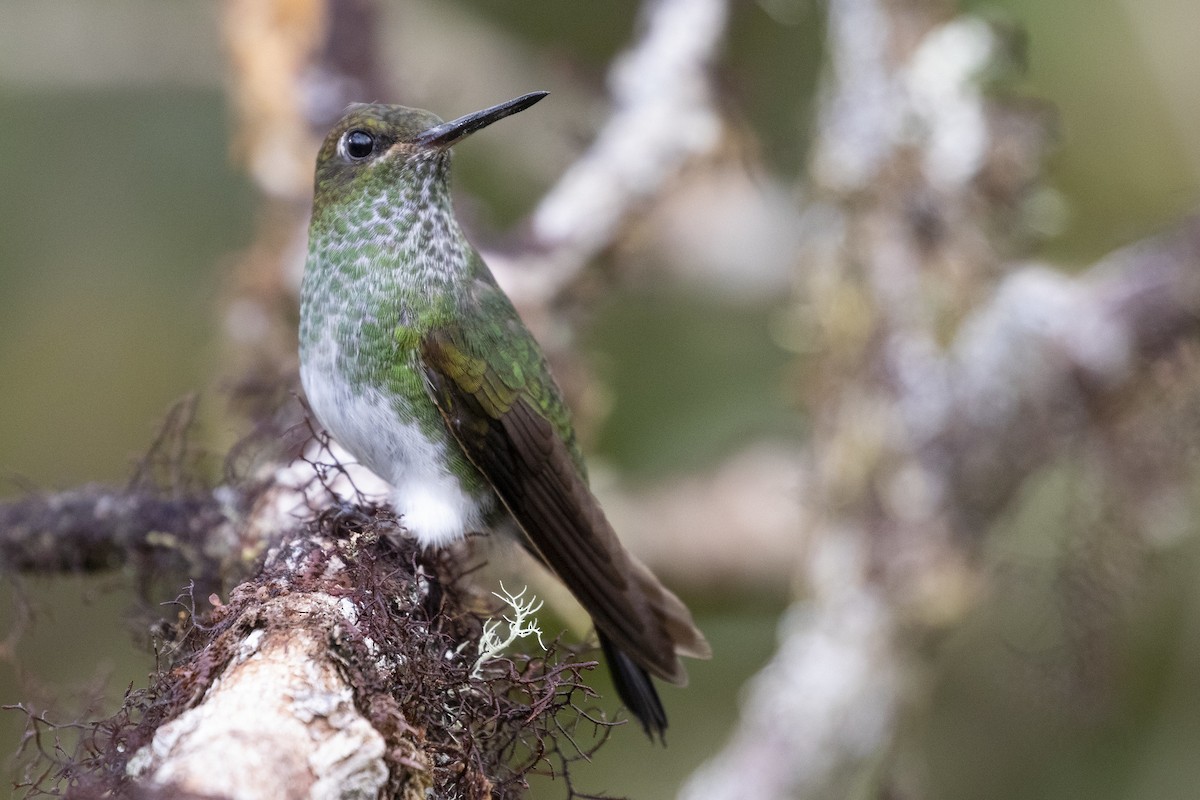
<point>947,375</point>
<point>1039,361</point>
<point>663,117</point>
<point>97,528</point>
<point>164,521</point>
<point>279,716</point>
<point>344,668</point>
<point>1024,375</point>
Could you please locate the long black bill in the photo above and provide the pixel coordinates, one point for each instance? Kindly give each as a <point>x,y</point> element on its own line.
<point>442,136</point>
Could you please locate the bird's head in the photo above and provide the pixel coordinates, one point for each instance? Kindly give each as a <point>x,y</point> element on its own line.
<point>376,144</point>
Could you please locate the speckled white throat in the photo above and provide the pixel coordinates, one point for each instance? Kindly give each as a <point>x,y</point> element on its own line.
<point>373,281</point>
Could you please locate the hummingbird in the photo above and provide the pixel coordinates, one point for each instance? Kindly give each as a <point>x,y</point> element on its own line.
<point>417,363</point>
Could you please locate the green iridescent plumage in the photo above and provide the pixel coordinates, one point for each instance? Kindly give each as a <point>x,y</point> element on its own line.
<point>419,365</point>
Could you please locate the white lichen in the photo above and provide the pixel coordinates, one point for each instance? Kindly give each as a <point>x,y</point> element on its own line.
<point>520,625</point>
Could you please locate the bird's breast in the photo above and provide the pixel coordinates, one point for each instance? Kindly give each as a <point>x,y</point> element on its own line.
<point>403,440</point>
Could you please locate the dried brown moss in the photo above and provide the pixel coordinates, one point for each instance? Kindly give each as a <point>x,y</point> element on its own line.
<point>408,657</point>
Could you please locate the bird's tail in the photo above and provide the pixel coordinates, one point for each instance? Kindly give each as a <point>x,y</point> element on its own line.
<point>636,690</point>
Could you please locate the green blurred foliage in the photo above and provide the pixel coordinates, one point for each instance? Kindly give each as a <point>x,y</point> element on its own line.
<point>1116,74</point>
<point>1076,678</point>
<point>676,365</point>
<point>119,206</point>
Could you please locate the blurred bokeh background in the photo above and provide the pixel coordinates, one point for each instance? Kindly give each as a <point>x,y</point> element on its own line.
<point>122,210</point>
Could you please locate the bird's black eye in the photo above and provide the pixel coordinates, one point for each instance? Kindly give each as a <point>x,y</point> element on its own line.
<point>359,144</point>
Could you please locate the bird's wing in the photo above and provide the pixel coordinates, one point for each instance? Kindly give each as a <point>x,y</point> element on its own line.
<point>495,417</point>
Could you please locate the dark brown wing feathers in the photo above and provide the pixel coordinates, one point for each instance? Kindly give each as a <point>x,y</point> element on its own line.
<point>522,455</point>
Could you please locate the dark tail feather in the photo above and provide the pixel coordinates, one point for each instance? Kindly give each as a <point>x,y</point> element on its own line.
<point>636,690</point>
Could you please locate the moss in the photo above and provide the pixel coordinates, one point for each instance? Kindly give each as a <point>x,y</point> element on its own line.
<point>407,652</point>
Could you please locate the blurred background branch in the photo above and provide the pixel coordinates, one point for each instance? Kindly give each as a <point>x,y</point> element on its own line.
<point>948,377</point>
